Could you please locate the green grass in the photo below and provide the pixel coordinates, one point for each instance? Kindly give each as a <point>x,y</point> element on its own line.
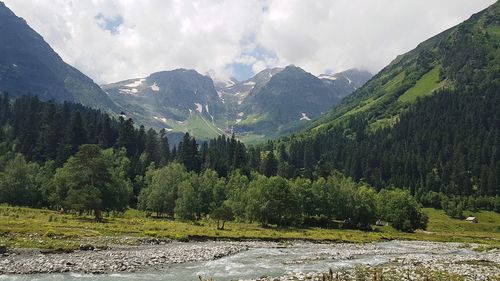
<point>393,84</point>
<point>35,228</point>
<point>384,123</point>
<point>252,139</point>
<point>254,119</point>
<point>488,223</point>
<point>425,86</point>
<point>197,126</point>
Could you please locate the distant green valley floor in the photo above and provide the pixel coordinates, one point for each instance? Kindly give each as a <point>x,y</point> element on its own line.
<point>35,228</point>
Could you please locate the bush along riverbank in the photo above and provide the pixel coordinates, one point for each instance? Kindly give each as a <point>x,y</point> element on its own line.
<point>45,229</point>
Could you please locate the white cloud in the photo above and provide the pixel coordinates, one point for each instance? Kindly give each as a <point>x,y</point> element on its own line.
<point>156,35</point>
<point>341,34</point>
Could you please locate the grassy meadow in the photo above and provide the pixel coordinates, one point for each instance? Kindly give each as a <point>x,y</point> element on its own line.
<point>37,228</point>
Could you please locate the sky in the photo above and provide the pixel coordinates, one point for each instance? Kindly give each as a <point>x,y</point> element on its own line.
<point>114,40</point>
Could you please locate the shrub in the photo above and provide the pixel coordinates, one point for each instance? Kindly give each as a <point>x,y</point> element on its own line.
<point>401,210</point>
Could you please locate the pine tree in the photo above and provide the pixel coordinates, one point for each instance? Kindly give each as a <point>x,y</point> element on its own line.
<point>164,148</point>
<point>239,158</point>
<point>78,134</point>
<point>127,136</point>
<point>269,165</point>
<point>152,149</point>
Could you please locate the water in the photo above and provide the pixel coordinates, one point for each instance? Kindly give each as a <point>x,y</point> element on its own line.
<point>257,262</point>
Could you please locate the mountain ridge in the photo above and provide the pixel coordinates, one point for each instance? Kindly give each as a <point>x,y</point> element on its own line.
<point>231,102</point>
<point>29,66</point>
<point>429,121</point>
<point>415,74</point>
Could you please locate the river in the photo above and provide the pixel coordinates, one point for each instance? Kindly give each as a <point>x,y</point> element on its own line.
<point>274,259</point>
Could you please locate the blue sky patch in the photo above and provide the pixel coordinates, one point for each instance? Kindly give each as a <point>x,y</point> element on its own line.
<point>109,24</point>
<point>241,71</point>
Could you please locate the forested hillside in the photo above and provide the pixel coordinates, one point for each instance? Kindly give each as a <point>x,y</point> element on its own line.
<point>462,57</point>
<point>429,122</point>
<point>72,157</point>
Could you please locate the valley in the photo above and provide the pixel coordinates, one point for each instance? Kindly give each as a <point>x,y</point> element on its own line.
<point>229,161</point>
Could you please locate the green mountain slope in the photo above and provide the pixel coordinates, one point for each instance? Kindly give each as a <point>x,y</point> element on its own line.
<point>430,121</point>
<point>435,64</point>
<point>180,101</point>
<point>273,103</point>
<point>289,99</point>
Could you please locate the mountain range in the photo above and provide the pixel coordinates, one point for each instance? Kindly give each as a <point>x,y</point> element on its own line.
<point>271,104</point>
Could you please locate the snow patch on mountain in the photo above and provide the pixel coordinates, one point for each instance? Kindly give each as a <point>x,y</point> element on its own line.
<point>304,117</point>
<point>211,116</point>
<point>155,87</point>
<point>136,83</point>
<point>326,76</point>
<point>126,91</point>
<point>229,83</point>
<point>199,107</point>
<point>162,119</point>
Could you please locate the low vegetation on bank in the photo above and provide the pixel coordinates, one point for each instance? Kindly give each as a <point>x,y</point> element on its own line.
<point>40,228</point>
<point>363,273</point>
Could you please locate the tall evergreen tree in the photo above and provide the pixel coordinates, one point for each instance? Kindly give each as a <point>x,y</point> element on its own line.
<point>269,165</point>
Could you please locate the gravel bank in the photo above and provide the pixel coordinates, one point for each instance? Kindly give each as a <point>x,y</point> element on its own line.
<point>400,258</point>
<point>407,259</point>
<point>116,259</point>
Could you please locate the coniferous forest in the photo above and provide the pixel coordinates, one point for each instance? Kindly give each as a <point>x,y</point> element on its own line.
<point>444,149</point>
<point>81,160</point>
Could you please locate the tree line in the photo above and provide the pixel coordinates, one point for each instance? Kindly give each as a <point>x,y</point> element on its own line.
<point>335,201</point>
<point>78,159</point>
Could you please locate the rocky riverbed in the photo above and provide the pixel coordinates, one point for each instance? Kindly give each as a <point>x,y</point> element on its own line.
<point>115,259</point>
<point>407,261</point>
<point>252,260</point>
